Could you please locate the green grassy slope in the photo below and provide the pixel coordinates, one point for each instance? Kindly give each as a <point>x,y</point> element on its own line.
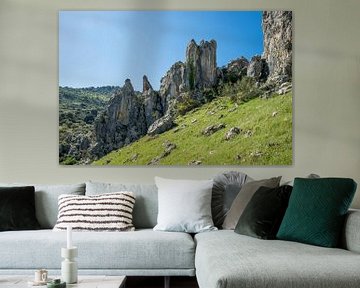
<point>265,138</point>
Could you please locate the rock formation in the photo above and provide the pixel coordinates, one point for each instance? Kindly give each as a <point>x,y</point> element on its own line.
<point>235,70</point>
<point>258,69</point>
<point>153,106</point>
<point>172,84</point>
<point>277,29</point>
<point>198,72</point>
<point>161,125</point>
<point>201,65</point>
<point>122,122</point>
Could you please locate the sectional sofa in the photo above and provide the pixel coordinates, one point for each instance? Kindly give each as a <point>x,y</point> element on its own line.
<point>219,259</point>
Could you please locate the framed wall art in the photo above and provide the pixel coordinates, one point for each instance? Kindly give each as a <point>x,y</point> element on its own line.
<point>175,88</point>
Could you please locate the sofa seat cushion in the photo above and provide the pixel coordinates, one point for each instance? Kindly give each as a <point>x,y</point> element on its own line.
<point>142,249</point>
<point>226,259</point>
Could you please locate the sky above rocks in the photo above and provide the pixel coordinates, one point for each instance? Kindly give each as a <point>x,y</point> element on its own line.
<point>99,48</point>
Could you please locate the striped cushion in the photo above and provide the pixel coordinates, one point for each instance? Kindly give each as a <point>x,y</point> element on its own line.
<point>105,212</point>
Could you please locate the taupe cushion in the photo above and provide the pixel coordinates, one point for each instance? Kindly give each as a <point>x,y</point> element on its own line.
<point>243,198</point>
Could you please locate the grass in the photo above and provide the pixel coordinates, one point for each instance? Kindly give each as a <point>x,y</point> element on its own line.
<point>265,138</point>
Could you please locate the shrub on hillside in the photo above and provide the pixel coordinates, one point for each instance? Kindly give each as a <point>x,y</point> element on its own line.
<point>241,91</point>
<point>186,104</point>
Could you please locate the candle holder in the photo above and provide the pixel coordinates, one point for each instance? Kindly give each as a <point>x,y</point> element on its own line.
<point>69,271</point>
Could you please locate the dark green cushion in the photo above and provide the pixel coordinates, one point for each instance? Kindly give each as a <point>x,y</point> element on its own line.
<point>263,214</point>
<point>316,211</point>
<point>17,208</point>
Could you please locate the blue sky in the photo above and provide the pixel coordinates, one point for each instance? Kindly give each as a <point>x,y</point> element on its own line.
<point>98,48</point>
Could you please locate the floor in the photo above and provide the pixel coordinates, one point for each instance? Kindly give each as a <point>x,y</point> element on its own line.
<point>158,282</point>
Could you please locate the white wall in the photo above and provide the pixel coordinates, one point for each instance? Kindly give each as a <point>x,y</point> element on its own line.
<point>326,77</point>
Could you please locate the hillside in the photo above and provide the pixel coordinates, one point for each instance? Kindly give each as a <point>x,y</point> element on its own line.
<point>265,137</point>
<point>78,109</point>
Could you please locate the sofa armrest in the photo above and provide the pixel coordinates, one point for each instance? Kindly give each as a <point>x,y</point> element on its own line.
<point>351,234</point>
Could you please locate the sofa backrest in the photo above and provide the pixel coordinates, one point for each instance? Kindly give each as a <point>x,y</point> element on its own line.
<point>46,200</point>
<point>146,203</point>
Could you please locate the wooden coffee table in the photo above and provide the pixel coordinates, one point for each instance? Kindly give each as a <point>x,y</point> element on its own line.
<point>83,282</point>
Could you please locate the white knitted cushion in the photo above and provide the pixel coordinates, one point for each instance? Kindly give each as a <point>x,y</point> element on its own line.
<point>105,212</point>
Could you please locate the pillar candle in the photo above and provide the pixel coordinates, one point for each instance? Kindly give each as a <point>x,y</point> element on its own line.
<point>69,237</point>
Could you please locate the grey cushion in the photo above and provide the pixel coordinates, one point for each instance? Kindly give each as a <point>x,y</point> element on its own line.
<point>46,200</point>
<point>226,187</point>
<point>144,249</point>
<point>351,231</point>
<point>184,205</point>
<point>247,262</point>
<point>243,198</point>
<point>310,176</point>
<point>146,204</point>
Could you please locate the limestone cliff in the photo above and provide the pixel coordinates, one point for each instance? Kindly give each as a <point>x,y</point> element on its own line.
<point>198,72</point>
<point>172,84</point>
<point>201,65</point>
<point>153,106</point>
<point>122,122</point>
<point>277,29</point>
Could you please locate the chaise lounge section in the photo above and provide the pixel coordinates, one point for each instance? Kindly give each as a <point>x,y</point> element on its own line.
<point>225,259</point>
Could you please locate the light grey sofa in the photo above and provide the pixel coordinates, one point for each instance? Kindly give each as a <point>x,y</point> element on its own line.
<point>143,252</point>
<point>220,259</point>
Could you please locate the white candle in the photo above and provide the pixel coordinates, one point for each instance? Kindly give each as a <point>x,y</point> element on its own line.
<point>69,239</point>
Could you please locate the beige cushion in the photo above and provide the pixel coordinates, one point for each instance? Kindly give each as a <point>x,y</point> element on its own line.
<point>243,198</point>
<point>105,212</point>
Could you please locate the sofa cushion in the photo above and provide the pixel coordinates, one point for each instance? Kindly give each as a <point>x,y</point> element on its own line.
<point>350,239</point>
<point>263,215</point>
<point>225,189</point>
<point>17,208</point>
<point>105,212</point>
<point>146,205</point>
<point>143,249</point>
<point>243,198</point>
<point>317,209</point>
<point>225,259</point>
<point>184,205</point>
<point>46,200</point>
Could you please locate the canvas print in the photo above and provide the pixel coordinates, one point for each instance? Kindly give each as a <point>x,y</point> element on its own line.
<point>175,88</point>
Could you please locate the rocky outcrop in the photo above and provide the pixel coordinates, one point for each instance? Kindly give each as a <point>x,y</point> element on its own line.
<point>213,128</point>
<point>232,133</point>
<point>168,148</point>
<point>235,70</point>
<point>172,84</point>
<point>122,123</point>
<point>277,29</point>
<point>161,125</point>
<point>284,88</point>
<point>197,73</point>
<point>153,106</point>
<point>258,69</point>
<point>201,65</point>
